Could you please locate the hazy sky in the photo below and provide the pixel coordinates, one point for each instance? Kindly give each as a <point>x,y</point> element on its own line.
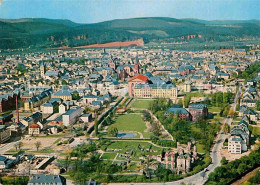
<point>90,11</point>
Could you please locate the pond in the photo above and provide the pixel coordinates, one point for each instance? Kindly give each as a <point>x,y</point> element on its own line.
<point>126,134</point>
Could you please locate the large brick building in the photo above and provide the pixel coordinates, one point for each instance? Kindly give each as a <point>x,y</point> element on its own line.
<point>137,79</point>
<point>178,111</point>
<point>198,111</point>
<point>7,102</point>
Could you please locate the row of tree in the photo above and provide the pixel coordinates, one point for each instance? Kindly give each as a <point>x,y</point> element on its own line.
<point>228,172</point>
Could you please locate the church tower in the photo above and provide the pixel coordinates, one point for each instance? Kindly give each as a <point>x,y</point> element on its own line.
<point>137,66</point>
<point>42,69</point>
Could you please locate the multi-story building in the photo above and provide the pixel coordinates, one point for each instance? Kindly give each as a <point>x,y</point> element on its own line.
<point>198,111</point>
<point>5,134</point>
<point>37,100</point>
<point>7,102</point>
<point>63,94</point>
<point>50,108</point>
<point>71,116</point>
<point>238,140</point>
<point>178,111</point>
<point>141,87</point>
<point>34,118</point>
<point>187,86</point>
<point>137,79</point>
<point>34,129</point>
<point>155,91</point>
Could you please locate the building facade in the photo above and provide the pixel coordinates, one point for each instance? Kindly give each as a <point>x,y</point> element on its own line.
<point>5,134</point>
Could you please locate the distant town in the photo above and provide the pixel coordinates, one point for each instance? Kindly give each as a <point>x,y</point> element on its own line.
<point>129,115</point>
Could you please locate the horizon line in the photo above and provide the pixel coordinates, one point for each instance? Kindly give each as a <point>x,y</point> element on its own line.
<point>210,20</point>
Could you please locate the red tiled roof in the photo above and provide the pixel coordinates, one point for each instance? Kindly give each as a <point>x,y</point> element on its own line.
<point>34,126</point>
<point>140,77</point>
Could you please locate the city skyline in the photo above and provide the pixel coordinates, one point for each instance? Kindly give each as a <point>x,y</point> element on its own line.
<point>89,11</point>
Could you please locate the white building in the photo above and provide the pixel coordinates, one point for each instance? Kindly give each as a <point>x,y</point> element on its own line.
<point>238,140</point>
<point>49,108</point>
<point>236,145</point>
<point>70,117</point>
<point>62,108</point>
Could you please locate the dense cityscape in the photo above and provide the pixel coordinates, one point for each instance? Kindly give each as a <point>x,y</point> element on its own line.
<point>137,113</point>
<point>145,100</point>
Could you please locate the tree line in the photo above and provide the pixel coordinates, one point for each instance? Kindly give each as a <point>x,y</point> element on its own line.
<point>227,173</point>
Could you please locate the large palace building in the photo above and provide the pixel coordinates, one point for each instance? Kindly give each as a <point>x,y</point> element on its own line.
<point>141,86</point>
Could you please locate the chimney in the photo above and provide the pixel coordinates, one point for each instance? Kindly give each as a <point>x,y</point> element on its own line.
<point>17,111</point>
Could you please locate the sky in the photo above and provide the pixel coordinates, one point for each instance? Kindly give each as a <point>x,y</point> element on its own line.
<point>92,11</point>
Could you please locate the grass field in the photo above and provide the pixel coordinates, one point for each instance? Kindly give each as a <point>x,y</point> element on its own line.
<point>200,148</point>
<point>214,109</point>
<point>141,104</point>
<point>256,131</point>
<point>110,156</point>
<point>131,122</point>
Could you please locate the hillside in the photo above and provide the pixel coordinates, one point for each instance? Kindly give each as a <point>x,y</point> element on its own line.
<point>47,33</point>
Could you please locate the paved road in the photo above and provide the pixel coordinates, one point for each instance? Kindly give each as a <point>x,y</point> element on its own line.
<point>6,147</point>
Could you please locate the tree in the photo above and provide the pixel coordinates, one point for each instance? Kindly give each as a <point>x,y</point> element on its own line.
<point>233,75</point>
<point>75,95</point>
<point>258,105</point>
<point>223,161</point>
<point>146,116</point>
<point>180,103</point>
<point>64,82</point>
<point>231,112</point>
<point>113,131</point>
<point>96,126</point>
<point>16,146</point>
<point>38,145</point>
<point>156,129</point>
<point>187,100</point>
<point>67,159</point>
<point>226,128</point>
<point>181,130</point>
<point>19,145</point>
<point>242,168</point>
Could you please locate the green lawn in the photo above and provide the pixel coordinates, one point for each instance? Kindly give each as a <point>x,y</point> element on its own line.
<point>110,156</point>
<point>200,148</point>
<point>141,104</point>
<point>237,119</point>
<point>256,131</point>
<point>194,128</point>
<point>131,122</point>
<point>214,109</point>
<point>216,118</point>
